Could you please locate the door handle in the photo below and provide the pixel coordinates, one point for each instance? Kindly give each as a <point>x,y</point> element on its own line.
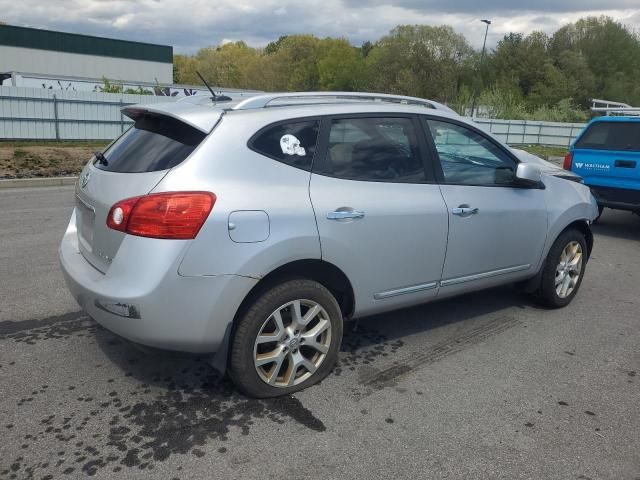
<point>464,211</point>
<point>625,164</point>
<point>344,214</point>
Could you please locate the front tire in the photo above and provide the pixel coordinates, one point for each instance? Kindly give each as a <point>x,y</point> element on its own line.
<point>563,270</point>
<point>287,340</point>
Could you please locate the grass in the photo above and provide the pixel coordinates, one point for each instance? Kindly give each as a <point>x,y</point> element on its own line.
<point>45,159</point>
<point>97,144</point>
<point>542,151</point>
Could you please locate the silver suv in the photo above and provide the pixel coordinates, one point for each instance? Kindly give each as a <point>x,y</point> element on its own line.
<point>252,230</point>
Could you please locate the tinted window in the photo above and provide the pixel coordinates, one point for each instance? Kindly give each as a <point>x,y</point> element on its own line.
<point>153,143</point>
<point>468,157</point>
<point>611,136</point>
<point>292,143</point>
<point>375,149</point>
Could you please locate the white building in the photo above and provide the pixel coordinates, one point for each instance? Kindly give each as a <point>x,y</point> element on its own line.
<point>36,58</point>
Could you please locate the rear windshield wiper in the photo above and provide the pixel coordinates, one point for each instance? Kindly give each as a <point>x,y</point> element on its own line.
<point>102,160</point>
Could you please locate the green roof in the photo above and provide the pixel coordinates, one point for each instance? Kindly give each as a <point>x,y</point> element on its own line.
<point>12,36</point>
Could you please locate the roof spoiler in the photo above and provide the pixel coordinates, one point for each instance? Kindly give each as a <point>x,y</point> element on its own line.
<point>197,117</point>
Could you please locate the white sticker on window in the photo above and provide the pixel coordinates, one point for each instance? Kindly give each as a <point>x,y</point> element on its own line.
<point>290,145</point>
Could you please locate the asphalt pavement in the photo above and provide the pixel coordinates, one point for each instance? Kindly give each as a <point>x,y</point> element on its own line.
<point>488,385</point>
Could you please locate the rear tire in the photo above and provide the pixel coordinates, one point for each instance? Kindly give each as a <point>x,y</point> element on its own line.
<point>287,340</point>
<point>563,270</point>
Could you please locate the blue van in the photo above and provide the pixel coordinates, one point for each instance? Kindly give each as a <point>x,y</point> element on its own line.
<point>606,155</point>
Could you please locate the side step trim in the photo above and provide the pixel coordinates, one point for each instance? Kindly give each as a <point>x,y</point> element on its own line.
<point>405,290</point>
<point>480,276</point>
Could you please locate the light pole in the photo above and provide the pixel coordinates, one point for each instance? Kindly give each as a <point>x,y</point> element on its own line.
<point>484,46</point>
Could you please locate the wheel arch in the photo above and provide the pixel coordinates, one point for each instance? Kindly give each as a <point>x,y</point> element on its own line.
<point>321,271</point>
<point>583,227</point>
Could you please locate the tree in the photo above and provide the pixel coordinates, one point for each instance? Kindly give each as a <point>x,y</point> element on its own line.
<point>366,48</point>
<point>273,47</point>
<point>417,60</point>
<point>339,67</point>
<point>551,86</point>
<point>231,65</point>
<point>184,70</point>
<point>525,76</point>
<point>295,63</point>
<point>611,56</point>
<point>519,60</point>
<point>578,76</point>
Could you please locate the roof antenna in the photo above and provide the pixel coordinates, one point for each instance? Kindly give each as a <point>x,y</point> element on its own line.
<point>214,97</point>
<point>213,94</point>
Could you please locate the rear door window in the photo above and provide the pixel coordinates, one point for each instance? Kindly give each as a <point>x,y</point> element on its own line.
<point>293,143</point>
<point>611,136</point>
<point>382,149</point>
<point>153,143</point>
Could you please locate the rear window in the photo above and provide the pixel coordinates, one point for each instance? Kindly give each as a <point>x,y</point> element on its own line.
<point>153,143</point>
<point>611,136</point>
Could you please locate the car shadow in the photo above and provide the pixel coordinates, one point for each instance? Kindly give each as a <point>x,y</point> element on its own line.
<point>363,340</point>
<point>421,318</point>
<point>155,404</point>
<point>169,403</point>
<point>618,224</point>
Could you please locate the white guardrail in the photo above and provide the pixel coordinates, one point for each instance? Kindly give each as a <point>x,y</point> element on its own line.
<point>530,132</point>
<point>42,114</point>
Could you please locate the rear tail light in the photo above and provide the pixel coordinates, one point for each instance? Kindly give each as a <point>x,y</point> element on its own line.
<point>171,215</point>
<point>568,161</point>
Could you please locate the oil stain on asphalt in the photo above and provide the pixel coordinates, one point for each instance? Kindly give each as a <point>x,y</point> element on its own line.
<point>169,405</point>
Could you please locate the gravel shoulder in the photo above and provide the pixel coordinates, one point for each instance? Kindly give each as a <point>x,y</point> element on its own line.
<point>27,160</point>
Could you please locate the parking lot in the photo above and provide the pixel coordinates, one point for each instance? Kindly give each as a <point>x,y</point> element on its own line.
<point>484,386</point>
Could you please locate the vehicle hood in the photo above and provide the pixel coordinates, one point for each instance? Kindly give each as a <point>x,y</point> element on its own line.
<point>546,167</point>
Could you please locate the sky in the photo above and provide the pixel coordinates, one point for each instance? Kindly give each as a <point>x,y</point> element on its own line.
<point>194,24</point>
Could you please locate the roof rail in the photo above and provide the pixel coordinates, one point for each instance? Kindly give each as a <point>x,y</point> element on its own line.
<point>264,101</point>
<point>608,107</point>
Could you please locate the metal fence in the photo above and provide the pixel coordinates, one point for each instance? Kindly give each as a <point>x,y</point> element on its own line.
<point>42,114</point>
<point>525,132</point>
<point>39,114</point>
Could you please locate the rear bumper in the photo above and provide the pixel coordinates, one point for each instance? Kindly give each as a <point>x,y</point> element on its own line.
<point>154,306</point>
<point>618,198</point>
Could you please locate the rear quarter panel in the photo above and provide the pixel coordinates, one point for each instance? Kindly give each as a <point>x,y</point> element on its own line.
<point>243,180</point>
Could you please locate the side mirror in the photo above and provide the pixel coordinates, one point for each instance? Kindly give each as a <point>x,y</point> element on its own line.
<point>529,175</point>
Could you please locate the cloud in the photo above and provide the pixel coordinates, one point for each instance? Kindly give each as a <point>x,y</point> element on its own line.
<point>198,23</point>
<point>499,7</point>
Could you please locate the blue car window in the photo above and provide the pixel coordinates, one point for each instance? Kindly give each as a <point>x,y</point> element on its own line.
<point>611,136</point>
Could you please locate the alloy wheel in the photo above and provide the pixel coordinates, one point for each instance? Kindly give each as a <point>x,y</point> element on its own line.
<point>569,269</point>
<point>292,343</point>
